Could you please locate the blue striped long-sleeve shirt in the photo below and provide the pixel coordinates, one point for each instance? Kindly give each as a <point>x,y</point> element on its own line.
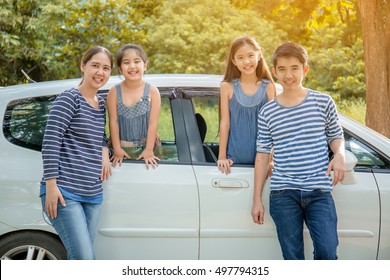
<point>299,136</point>
<point>72,145</point>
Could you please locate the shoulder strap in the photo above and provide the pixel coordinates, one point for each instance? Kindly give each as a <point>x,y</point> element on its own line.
<point>235,83</point>
<point>146,90</point>
<point>265,82</point>
<point>118,92</point>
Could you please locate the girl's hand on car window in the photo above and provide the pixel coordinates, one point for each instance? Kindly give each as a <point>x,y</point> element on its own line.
<point>149,158</point>
<point>224,165</point>
<point>119,155</point>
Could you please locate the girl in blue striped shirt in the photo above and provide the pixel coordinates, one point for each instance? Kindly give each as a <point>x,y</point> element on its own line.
<point>75,157</point>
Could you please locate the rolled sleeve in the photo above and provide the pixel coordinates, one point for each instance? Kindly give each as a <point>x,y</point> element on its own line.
<point>264,139</point>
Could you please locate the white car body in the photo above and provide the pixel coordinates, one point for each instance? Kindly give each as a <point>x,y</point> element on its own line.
<point>185,208</point>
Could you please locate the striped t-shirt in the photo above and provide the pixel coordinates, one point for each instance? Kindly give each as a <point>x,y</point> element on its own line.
<point>299,136</point>
<point>72,146</point>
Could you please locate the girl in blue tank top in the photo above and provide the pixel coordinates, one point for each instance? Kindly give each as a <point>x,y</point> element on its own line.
<point>246,87</point>
<point>133,107</point>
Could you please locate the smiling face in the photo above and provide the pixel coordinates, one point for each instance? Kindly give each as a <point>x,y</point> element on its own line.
<point>290,72</point>
<point>246,58</point>
<point>132,65</point>
<point>97,70</point>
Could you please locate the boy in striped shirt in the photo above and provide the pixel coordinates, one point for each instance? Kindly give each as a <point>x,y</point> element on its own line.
<point>297,126</point>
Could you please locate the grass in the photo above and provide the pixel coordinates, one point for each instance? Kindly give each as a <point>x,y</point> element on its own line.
<point>354,108</point>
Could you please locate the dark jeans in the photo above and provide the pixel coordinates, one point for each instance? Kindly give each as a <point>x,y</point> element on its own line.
<point>291,208</point>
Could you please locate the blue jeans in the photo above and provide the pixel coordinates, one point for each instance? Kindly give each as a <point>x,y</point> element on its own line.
<point>291,208</point>
<point>76,225</point>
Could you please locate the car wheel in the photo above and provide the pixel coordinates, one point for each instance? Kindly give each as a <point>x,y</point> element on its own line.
<point>31,245</point>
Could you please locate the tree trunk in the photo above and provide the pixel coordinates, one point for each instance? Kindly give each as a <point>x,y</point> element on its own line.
<point>376,41</point>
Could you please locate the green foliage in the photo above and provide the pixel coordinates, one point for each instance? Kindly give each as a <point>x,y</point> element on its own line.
<point>77,25</point>
<point>338,70</point>
<point>337,62</point>
<point>290,16</point>
<point>325,8</point>
<point>48,38</point>
<point>21,41</point>
<point>194,36</point>
<point>209,109</point>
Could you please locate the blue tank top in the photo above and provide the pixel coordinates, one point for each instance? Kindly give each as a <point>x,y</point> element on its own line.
<point>244,111</point>
<point>133,120</point>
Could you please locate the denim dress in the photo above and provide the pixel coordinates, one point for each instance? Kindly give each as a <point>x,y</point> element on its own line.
<point>244,110</point>
<point>133,120</point>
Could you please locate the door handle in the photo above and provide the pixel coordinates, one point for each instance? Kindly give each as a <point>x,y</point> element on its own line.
<point>230,183</point>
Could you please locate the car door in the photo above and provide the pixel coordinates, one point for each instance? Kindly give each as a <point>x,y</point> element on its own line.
<point>362,220</point>
<point>226,227</point>
<point>153,214</point>
<point>358,212</point>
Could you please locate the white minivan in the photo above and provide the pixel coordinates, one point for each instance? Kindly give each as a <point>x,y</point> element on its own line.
<point>185,208</point>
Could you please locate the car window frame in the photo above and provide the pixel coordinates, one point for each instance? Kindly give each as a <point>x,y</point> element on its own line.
<point>165,92</point>
<point>369,168</point>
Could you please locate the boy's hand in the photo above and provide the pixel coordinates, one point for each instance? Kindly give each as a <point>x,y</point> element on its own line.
<point>258,212</point>
<point>337,164</point>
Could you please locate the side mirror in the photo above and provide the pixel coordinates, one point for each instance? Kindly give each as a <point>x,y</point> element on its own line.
<point>350,163</point>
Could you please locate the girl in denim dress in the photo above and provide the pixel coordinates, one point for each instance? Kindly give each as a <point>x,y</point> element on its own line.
<point>246,87</point>
<point>134,108</point>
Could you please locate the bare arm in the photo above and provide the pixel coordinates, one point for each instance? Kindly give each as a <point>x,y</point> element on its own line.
<point>147,154</point>
<point>260,176</point>
<point>226,92</point>
<point>119,153</point>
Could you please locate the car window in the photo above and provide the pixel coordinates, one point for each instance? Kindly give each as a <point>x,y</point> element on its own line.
<point>25,122</point>
<point>208,107</point>
<point>366,155</point>
<point>166,150</point>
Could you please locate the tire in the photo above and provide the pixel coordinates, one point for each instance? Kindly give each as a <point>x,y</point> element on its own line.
<point>31,245</point>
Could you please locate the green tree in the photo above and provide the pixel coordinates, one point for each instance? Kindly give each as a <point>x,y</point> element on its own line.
<point>336,55</point>
<point>74,26</point>
<point>291,16</point>
<point>21,41</point>
<point>375,21</point>
<point>194,36</point>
